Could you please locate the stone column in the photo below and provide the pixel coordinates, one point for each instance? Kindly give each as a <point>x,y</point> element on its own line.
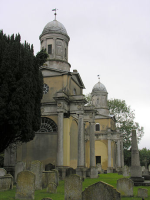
<point>93,170</point>
<point>80,141</point>
<point>109,153</point>
<point>122,155</point>
<point>118,154</point>
<point>60,139</point>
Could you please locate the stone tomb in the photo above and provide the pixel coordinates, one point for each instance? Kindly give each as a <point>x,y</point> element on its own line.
<point>6,182</point>
<point>52,188</point>
<point>19,167</point>
<point>143,193</point>
<point>125,187</point>
<point>102,191</point>
<point>125,171</point>
<point>73,187</point>
<point>37,168</point>
<point>25,185</point>
<point>2,172</point>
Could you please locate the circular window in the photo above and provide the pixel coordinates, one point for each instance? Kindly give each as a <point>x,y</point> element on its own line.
<point>45,88</point>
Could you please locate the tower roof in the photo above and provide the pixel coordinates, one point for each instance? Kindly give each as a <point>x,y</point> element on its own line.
<point>54,27</point>
<point>99,87</point>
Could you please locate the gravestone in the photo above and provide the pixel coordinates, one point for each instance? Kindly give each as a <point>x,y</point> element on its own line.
<point>70,171</point>
<point>57,176</point>
<point>143,168</point>
<point>49,177</point>
<point>49,167</point>
<point>6,182</point>
<point>37,168</point>
<point>47,198</point>
<point>125,187</point>
<point>2,172</point>
<point>135,170</point>
<point>19,167</point>
<point>125,170</point>
<point>52,188</point>
<point>73,187</point>
<point>100,190</point>
<point>99,168</point>
<point>25,185</point>
<point>143,193</point>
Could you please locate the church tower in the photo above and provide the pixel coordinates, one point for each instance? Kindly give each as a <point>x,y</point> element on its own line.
<point>55,40</point>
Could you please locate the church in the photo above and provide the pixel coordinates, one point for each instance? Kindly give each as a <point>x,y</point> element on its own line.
<point>73,134</point>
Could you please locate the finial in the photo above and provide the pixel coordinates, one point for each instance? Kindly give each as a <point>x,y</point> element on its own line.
<point>55,12</point>
<point>98,78</point>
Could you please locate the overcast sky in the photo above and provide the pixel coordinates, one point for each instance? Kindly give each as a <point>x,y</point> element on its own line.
<point>110,38</point>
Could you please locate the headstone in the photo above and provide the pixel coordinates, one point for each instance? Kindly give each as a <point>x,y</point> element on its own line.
<point>73,187</point>
<point>99,168</point>
<point>143,193</point>
<point>49,167</point>
<point>37,168</point>
<point>70,171</point>
<point>125,170</point>
<point>57,176</point>
<point>52,188</point>
<point>19,167</point>
<point>125,187</point>
<point>47,198</point>
<point>49,177</point>
<point>100,190</point>
<point>135,170</point>
<point>6,182</point>
<point>93,172</point>
<point>25,185</point>
<point>2,172</point>
<point>143,168</point>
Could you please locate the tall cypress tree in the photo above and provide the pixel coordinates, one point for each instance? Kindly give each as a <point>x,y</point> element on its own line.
<point>21,86</point>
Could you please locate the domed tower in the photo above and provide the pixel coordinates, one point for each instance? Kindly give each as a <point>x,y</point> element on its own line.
<point>99,98</point>
<point>54,39</point>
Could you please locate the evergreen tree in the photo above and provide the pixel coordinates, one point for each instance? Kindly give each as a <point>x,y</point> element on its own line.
<point>21,85</point>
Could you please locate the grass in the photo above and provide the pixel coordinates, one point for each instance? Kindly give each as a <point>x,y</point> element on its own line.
<point>107,178</point>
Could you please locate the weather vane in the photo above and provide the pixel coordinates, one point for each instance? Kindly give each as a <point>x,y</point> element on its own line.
<point>55,12</point>
<point>98,77</point>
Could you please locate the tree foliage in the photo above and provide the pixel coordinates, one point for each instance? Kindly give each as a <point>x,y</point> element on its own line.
<point>144,156</point>
<point>125,120</point>
<point>21,85</point>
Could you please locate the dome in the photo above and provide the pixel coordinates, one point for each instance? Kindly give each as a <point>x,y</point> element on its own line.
<point>99,87</point>
<point>54,27</point>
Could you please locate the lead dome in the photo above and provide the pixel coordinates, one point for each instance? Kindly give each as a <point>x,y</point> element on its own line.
<point>99,87</point>
<point>54,27</point>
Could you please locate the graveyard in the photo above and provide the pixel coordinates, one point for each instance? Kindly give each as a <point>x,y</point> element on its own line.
<point>110,178</point>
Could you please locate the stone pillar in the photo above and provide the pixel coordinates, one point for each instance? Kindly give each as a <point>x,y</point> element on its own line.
<point>80,141</point>
<point>118,154</point>
<point>81,147</point>
<point>60,140</point>
<point>94,170</point>
<point>122,155</point>
<point>109,168</point>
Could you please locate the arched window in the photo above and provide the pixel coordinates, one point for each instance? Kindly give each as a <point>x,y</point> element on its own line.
<point>97,127</point>
<point>47,125</point>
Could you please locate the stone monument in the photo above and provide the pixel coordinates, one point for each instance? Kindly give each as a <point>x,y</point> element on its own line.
<point>135,170</point>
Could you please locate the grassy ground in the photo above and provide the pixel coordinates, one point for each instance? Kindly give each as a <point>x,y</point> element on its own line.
<point>108,178</point>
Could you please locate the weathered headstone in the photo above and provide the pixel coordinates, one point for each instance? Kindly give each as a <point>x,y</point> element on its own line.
<point>49,177</point>
<point>99,168</point>
<point>143,193</point>
<point>100,190</point>
<point>125,187</point>
<point>125,170</point>
<point>135,170</point>
<point>25,185</point>
<point>56,176</point>
<point>2,172</point>
<point>143,168</point>
<point>73,187</point>
<point>52,188</point>
<point>70,171</point>
<point>19,167</point>
<point>37,168</point>
<point>6,182</point>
